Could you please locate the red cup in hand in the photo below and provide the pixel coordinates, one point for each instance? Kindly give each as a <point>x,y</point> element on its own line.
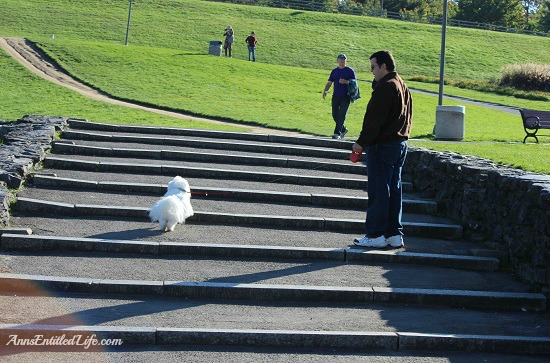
<point>354,157</point>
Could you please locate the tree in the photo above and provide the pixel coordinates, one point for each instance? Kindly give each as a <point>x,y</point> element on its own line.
<point>530,6</point>
<point>420,8</point>
<point>509,13</point>
<point>542,17</point>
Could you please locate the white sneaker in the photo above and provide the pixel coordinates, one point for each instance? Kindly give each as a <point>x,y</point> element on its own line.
<point>395,241</point>
<point>336,136</point>
<point>377,242</point>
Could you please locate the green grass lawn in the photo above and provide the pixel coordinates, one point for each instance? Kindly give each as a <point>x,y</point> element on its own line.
<point>532,157</point>
<point>286,37</point>
<point>24,92</point>
<point>166,65</point>
<point>270,95</point>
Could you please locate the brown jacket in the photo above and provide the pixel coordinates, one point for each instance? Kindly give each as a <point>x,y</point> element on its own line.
<point>389,112</point>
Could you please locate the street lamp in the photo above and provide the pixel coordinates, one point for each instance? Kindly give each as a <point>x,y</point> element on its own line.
<point>449,120</point>
<point>128,26</point>
<point>442,59</point>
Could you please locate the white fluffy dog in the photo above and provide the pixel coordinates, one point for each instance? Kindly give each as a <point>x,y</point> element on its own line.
<point>174,207</point>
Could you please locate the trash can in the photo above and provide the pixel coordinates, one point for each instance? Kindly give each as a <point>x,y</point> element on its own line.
<point>449,123</point>
<point>215,48</point>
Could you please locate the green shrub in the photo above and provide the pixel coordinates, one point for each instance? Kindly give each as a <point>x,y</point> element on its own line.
<point>490,86</point>
<point>527,77</point>
<point>423,79</point>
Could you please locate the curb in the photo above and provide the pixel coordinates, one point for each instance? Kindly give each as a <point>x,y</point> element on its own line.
<point>429,230</point>
<point>349,168</point>
<point>388,341</point>
<point>474,343</point>
<point>17,242</point>
<point>41,285</point>
<point>298,150</point>
<point>53,162</point>
<point>409,205</point>
<point>225,135</point>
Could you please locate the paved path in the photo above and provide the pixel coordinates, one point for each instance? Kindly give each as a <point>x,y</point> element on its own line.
<point>494,106</point>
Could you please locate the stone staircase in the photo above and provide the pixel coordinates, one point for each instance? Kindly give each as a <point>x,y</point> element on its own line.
<point>266,261</point>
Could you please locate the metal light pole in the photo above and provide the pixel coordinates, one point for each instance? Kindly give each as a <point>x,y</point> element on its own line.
<point>442,59</point>
<point>449,120</point>
<point>128,26</point>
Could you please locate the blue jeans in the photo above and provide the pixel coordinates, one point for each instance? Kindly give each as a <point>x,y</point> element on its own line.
<point>384,165</point>
<point>340,107</point>
<point>252,53</point>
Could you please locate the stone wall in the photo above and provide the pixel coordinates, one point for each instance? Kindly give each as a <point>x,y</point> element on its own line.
<point>24,144</point>
<point>506,209</point>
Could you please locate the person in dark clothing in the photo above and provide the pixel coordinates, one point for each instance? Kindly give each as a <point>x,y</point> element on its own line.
<point>251,42</point>
<point>229,35</point>
<point>340,76</point>
<point>383,138</point>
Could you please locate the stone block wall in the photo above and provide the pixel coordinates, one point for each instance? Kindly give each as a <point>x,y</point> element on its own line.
<point>506,209</point>
<point>24,145</point>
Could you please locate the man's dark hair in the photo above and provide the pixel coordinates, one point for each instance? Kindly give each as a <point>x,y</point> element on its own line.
<point>384,56</point>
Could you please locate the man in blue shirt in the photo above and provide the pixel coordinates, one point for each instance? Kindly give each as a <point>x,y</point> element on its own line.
<point>340,76</point>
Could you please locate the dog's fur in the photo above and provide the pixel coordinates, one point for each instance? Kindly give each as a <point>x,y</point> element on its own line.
<point>174,207</point>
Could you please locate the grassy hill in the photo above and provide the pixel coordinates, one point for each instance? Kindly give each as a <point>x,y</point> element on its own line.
<point>166,64</point>
<point>286,37</point>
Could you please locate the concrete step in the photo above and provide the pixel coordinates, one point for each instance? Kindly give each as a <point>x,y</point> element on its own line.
<point>203,182</point>
<point>412,228</point>
<point>211,157</point>
<point>233,184</point>
<point>393,282</point>
<point>26,243</point>
<point>209,203</point>
<point>159,336</point>
<point>219,144</point>
<point>320,167</point>
<point>215,233</point>
<point>306,140</point>
<point>304,272</point>
<point>172,169</point>
<point>156,311</point>
<point>410,205</point>
<point>250,354</point>
<point>233,288</point>
<point>289,277</point>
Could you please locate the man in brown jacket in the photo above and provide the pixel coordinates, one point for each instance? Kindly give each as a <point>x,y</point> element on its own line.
<point>383,138</point>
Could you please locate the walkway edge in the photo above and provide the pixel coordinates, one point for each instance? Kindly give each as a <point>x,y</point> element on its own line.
<point>430,230</point>
<point>389,341</point>
<point>41,285</point>
<point>26,243</point>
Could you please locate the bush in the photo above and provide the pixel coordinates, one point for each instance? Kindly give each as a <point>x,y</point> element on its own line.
<point>527,77</point>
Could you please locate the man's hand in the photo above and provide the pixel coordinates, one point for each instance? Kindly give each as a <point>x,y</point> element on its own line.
<point>356,148</point>
<point>324,94</point>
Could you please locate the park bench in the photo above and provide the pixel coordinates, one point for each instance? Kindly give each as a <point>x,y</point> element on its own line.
<point>533,121</point>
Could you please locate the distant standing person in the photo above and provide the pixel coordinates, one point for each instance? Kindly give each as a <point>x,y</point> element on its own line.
<point>229,39</point>
<point>340,76</point>
<point>383,138</point>
<point>251,42</point>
